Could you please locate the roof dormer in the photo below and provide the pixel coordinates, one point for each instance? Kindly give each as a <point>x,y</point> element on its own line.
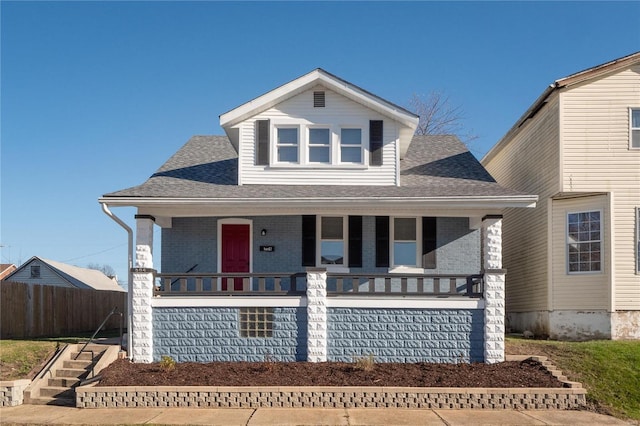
<point>319,129</point>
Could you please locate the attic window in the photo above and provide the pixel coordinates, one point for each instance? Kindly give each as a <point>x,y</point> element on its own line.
<point>318,99</point>
<point>35,271</point>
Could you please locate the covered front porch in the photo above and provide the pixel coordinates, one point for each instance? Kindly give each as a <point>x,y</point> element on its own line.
<point>447,307</point>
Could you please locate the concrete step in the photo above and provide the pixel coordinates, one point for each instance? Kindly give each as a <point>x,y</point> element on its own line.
<point>62,402</point>
<point>71,372</point>
<point>80,364</point>
<point>86,356</point>
<point>65,382</point>
<point>57,392</point>
<point>92,347</point>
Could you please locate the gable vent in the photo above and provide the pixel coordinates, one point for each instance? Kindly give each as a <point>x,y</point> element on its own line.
<point>318,99</point>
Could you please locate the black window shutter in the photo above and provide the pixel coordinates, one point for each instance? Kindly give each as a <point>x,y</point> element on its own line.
<point>355,241</point>
<point>382,241</point>
<point>262,142</point>
<point>429,242</point>
<point>375,142</point>
<point>308,240</point>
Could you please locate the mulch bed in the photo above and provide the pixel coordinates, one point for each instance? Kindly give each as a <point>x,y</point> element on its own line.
<point>510,374</point>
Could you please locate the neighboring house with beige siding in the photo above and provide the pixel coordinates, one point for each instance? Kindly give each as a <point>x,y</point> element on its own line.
<point>574,260</point>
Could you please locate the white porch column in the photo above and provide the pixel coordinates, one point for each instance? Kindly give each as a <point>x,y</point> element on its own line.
<point>143,273</point>
<point>316,315</point>
<point>494,289</point>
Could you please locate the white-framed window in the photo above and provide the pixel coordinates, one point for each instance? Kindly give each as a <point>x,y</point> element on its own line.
<point>584,242</point>
<point>295,143</point>
<point>287,144</point>
<point>634,128</point>
<point>319,142</point>
<point>332,241</point>
<point>35,271</point>
<point>405,244</point>
<point>351,145</point>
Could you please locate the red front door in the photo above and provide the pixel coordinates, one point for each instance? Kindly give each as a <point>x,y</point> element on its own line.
<point>235,252</point>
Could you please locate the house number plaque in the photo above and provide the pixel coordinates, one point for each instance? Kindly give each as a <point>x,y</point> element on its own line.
<point>267,248</point>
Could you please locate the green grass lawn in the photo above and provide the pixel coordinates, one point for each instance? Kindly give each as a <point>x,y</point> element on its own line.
<point>609,370</point>
<point>19,357</point>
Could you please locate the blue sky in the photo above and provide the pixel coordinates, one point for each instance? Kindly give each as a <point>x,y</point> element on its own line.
<point>95,96</point>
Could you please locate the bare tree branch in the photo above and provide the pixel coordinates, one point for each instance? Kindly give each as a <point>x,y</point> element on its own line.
<point>438,116</point>
<point>105,269</point>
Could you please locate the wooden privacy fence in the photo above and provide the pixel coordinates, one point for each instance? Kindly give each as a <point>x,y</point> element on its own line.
<point>32,310</point>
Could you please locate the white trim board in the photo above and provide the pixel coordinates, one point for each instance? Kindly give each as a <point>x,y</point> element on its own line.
<point>358,302</point>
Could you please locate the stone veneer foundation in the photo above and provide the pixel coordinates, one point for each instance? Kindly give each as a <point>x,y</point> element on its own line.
<point>571,396</point>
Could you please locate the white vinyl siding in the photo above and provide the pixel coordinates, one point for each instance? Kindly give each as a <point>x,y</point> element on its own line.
<point>529,163</point>
<point>579,291</point>
<point>598,158</point>
<point>339,113</point>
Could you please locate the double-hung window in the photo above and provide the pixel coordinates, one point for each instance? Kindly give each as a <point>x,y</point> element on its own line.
<point>351,145</point>
<point>405,241</point>
<point>287,144</point>
<point>332,240</point>
<point>634,131</point>
<point>319,141</point>
<point>584,242</point>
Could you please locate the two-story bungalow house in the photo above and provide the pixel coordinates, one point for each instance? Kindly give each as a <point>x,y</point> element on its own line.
<point>574,260</point>
<point>319,228</point>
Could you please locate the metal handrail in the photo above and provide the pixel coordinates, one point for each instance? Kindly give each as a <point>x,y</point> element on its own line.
<point>50,363</point>
<point>114,311</point>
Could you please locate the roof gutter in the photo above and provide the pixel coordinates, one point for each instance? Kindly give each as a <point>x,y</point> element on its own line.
<point>443,202</point>
<point>105,209</point>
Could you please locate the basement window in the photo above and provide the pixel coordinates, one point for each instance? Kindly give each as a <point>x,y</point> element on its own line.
<point>256,322</point>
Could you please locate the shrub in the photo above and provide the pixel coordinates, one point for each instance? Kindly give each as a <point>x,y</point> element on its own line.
<point>364,363</point>
<point>167,363</point>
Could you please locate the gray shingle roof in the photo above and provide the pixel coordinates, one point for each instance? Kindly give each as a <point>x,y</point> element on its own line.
<point>207,167</point>
<point>75,276</point>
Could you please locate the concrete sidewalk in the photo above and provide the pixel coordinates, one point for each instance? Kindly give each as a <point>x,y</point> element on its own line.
<point>43,414</point>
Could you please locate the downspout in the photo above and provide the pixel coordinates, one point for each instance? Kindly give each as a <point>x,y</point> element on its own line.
<point>119,221</point>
